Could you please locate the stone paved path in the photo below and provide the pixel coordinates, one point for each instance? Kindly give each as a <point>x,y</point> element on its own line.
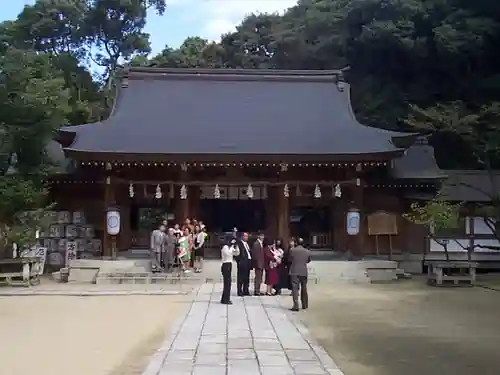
<point>254,336</point>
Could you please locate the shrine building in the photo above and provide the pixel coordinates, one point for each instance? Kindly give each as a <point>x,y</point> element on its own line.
<point>259,150</point>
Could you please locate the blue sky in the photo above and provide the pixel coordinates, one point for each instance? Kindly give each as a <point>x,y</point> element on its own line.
<point>206,18</point>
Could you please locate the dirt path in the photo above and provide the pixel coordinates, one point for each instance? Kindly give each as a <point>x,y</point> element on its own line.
<point>84,335</point>
<point>407,328</point>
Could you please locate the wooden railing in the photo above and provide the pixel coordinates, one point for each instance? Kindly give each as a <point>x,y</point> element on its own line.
<point>140,239</point>
<point>318,240</point>
<point>215,240</point>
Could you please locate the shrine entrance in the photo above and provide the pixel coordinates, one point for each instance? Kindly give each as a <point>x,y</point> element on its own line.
<point>235,207</point>
<point>313,224</point>
<point>224,215</point>
<point>146,215</point>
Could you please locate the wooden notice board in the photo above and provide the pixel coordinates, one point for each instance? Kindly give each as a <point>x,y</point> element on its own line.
<point>382,223</point>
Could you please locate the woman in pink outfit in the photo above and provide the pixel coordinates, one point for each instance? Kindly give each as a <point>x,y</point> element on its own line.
<point>271,266</point>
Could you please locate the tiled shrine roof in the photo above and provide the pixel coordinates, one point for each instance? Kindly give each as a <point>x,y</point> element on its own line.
<point>202,113</point>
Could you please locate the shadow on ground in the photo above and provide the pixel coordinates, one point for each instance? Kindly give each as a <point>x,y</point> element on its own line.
<point>407,328</point>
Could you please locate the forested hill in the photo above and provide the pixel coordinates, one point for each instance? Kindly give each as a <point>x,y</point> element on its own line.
<point>413,63</point>
<point>401,53</point>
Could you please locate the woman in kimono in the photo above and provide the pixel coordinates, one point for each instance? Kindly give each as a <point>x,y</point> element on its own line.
<point>185,246</point>
<point>272,260</point>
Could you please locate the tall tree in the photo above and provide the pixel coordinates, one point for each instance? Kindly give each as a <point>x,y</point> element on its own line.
<point>33,103</point>
<point>114,30</point>
<point>194,52</point>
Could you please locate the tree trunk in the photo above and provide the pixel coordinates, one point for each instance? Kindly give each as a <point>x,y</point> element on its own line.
<point>445,246</point>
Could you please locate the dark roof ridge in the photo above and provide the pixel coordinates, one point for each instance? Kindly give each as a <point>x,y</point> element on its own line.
<point>222,71</point>
<point>224,74</point>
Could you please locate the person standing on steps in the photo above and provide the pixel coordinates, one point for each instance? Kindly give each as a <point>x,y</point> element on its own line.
<point>244,264</point>
<point>157,248</point>
<point>198,248</point>
<point>228,252</point>
<point>258,263</point>
<point>299,257</point>
<point>283,268</point>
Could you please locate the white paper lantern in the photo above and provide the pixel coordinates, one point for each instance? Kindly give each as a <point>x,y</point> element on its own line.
<point>113,221</point>
<point>317,192</point>
<point>353,222</point>
<point>286,191</point>
<point>183,192</point>
<point>216,191</point>
<point>131,192</point>
<point>338,192</point>
<point>158,193</point>
<point>249,191</point>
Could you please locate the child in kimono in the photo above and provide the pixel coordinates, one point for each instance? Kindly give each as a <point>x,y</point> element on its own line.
<point>185,246</point>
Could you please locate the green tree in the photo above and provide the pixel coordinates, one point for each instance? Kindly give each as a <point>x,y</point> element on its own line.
<point>114,30</point>
<point>437,215</point>
<point>33,103</point>
<point>478,129</point>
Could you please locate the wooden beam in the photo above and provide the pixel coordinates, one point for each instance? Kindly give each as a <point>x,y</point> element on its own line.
<point>108,200</point>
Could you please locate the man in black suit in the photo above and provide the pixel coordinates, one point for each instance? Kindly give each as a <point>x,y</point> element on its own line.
<point>244,264</point>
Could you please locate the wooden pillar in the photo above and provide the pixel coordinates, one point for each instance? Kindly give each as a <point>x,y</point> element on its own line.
<point>125,237</point>
<point>181,205</point>
<point>108,201</point>
<point>271,212</point>
<point>357,241</point>
<point>283,214</point>
<point>194,193</point>
<point>338,209</point>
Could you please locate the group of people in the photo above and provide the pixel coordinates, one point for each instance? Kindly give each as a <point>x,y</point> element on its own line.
<point>179,245</point>
<point>281,267</point>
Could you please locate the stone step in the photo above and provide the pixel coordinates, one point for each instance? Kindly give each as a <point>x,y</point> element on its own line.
<point>147,278</point>
<point>381,275</point>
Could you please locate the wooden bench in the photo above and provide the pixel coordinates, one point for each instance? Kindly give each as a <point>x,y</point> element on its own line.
<point>451,273</point>
<point>20,271</point>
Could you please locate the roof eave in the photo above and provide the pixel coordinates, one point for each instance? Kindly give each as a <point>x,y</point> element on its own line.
<point>88,155</point>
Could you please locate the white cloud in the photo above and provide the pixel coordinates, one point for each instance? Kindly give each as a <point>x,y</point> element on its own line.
<point>221,16</point>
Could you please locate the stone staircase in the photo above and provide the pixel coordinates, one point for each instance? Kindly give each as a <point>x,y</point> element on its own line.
<point>134,268</point>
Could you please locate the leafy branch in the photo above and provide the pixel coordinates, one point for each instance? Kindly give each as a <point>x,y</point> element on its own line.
<point>438,215</point>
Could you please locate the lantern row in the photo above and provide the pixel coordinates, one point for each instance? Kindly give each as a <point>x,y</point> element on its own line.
<point>336,191</point>
<point>382,186</point>
<point>184,166</point>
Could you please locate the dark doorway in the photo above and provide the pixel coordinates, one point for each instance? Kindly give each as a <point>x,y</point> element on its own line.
<point>222,215</point>
<point>307,220</point>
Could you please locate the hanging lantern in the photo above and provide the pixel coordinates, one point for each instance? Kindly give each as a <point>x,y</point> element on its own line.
<point>171,192</point>
<point>183,192</point>
<point>250,191</point>
<point>158,193</point>
<point>286,191</point>
<point>298,193</point>
<point>338,192</point>
<point>317,192</point>
<point>216,191</point>
<point>131,192</point>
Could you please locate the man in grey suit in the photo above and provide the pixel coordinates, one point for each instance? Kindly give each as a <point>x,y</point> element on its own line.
<point>157,248</point>
<point>299,258</point>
